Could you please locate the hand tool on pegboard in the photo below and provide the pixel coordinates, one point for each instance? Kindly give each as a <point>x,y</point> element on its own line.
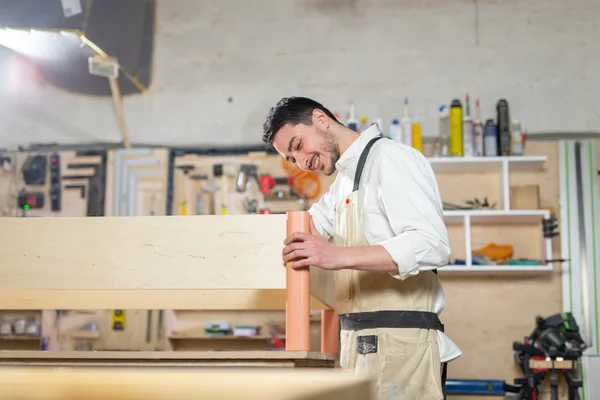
<point>201,179</point>
<point>118,320</point>
<point>186,169</point>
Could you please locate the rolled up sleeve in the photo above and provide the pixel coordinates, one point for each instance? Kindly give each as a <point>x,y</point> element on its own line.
<point>409,195</point>
<point>322,215</point>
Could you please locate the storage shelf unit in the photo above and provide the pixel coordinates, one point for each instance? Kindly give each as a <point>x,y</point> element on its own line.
<point>504,216</point>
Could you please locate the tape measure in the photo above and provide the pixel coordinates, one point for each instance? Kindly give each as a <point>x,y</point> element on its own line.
<point>118,320</point>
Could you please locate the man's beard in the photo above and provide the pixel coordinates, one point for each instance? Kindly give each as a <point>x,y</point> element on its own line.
<point>332,149</point>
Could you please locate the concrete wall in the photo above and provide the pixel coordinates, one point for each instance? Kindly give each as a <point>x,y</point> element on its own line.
<point>542,55</point>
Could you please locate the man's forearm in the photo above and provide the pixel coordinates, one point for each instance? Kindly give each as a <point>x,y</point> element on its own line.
<point>368,258</point>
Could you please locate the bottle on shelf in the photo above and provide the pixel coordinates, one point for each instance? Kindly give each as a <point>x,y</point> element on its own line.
<point>490,139</point>
<point>468,133</point>
<point>478,130</point>
<point>395,130</point>
<point>456,128</point>
<point>406,125</point>
<point>503,121</point>
<point>444,132</point>
<point>516,134</point>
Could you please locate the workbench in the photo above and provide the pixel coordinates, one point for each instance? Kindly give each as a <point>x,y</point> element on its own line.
<point>204,262</point>
<point>258,359</point>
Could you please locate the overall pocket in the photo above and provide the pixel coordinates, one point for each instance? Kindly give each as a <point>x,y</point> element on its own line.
<point>408,371</point>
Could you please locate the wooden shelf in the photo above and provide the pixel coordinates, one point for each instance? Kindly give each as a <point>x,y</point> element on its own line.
<point>20,337</point>
<point>472,221</point>
<point>496,268</point>
<point>487,164</point>
<point>223,337</point>
<point>495,216</point>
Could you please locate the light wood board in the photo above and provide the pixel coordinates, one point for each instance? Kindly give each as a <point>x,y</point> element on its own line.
<point>133,257</point>
<point>176,384</point>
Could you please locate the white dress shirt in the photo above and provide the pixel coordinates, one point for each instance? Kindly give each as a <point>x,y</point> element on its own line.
<point>402,211</point>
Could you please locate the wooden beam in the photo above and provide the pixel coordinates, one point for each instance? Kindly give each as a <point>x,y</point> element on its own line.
<point>163,383</point>
<point>204,252</point>
<point>161,262</point>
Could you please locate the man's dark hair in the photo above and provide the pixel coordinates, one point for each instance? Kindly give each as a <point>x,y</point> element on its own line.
<point>291,110</point>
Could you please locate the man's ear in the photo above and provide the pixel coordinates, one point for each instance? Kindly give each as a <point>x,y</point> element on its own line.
<point>320,119</point>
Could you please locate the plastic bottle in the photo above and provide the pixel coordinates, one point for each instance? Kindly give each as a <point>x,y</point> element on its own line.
<point>406,125</point>
<point>417,139</point>
<point>516,134</point>
<point>478,131</point>
<point>395,130</point>
<point>456,128</point>
<point>351,122</point>
<point>444,127</point>
<point>362,125</point>
<point>490,139</point>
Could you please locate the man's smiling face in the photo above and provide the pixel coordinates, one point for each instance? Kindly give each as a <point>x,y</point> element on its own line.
<point>311,147</point>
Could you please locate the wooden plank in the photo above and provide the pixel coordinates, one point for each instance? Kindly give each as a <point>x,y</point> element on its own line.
<point>166,252</point>
<point>163,383</point>
<point>244,299</point>
<point>143,254</point>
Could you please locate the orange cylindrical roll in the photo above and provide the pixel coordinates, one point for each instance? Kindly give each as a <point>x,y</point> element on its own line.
<point>297,313</point>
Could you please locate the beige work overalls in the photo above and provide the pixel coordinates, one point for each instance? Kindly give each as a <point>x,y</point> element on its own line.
<point>404,362</point>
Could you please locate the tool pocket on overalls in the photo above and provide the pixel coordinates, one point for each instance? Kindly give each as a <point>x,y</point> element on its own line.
<point>367,355</point>
<point>409,370</point>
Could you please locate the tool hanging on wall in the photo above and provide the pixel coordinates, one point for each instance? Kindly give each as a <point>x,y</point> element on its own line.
<point>201,180</point>
<point>30,200</point>
<point>34,170</point>
<point>185,187</point>
<point>118,320</point>
<point>223,172</point>
<point>306,184</point>
<point>245,174</point>
<point>55,192</point>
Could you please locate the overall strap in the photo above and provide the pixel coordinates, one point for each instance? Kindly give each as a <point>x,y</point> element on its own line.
<point>362,160</point>
<point>361,165</point>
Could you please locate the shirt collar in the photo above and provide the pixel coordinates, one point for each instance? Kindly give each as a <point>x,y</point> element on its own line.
<point>351,155</point>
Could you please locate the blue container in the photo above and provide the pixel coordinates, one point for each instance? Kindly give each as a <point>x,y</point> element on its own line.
<point>480,387</point>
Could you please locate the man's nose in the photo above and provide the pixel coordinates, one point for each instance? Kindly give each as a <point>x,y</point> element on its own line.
<point>303,162</point>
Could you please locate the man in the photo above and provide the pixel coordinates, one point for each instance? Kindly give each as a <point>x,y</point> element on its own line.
<point>384,215</point>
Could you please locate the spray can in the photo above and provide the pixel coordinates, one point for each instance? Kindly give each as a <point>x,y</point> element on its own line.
<point>490,139</point>
<point>444,126</point>
<point>456,129</point>
<point>503,121</point>
<point>478,131</point>
<point>468,134</point>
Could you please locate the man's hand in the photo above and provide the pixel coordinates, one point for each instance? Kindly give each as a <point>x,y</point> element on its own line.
<point>305,249</point>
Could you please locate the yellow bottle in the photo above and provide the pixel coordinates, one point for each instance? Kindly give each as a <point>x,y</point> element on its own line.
<point>417,139</point>
<point>456,129</point>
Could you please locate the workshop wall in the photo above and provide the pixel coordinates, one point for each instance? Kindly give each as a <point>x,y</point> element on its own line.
<point>219,66</point>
